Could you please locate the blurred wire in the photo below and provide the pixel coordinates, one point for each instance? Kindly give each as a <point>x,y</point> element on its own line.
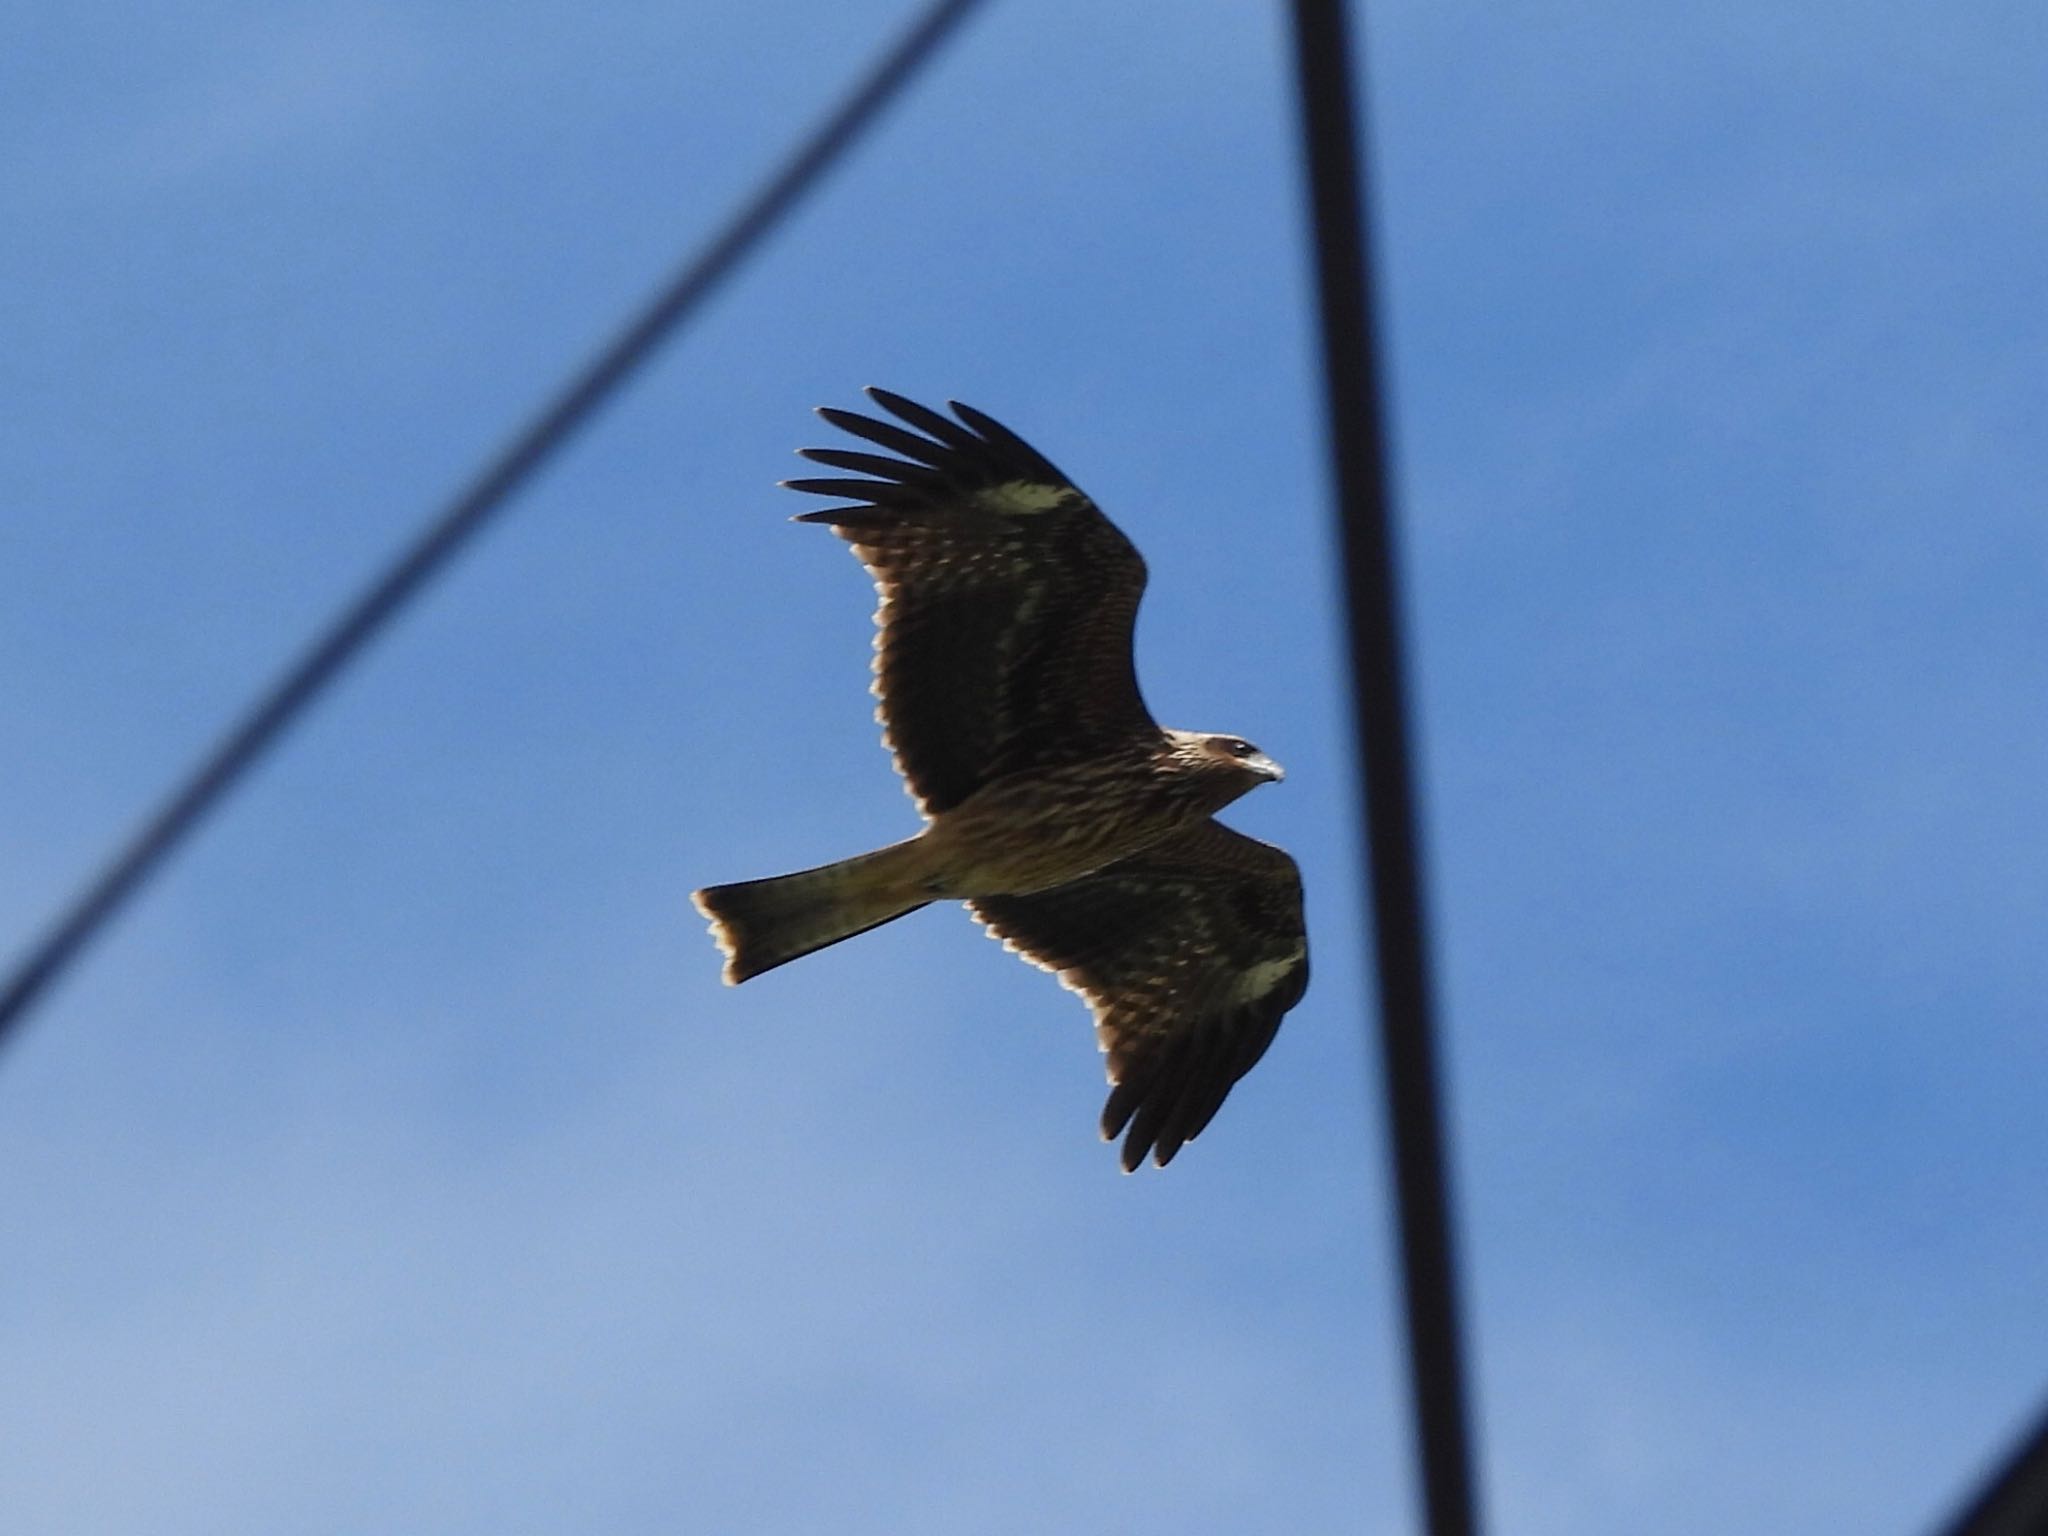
<point>1336,169</point>
<point>2015,1501</point>
<point>451,529</point>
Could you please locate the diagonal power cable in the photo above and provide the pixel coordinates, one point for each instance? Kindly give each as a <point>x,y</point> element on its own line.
<point>457,524</point>
<point>1330,132</point>
<point>2015,1500</point>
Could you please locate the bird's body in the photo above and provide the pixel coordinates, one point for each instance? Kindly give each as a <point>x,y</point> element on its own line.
<point>1041,827</point>
<point>1076,828</point>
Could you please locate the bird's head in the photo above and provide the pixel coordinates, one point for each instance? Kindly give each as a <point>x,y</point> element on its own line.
<point>1232,765</point>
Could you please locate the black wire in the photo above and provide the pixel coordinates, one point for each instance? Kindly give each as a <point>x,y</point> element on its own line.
<point>1330,132</point>
<point>2015,1501</point>
<point>459,521</point>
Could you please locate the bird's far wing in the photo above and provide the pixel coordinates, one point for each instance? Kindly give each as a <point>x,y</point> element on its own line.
<point>1189,954</point>
<point>1007,599</point>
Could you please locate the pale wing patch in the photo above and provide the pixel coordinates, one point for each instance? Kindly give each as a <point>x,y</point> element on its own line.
<point>1021,498</point>
<point>1257,980</point>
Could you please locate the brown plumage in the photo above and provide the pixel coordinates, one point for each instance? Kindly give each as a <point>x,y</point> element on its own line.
<point>1077,829</point>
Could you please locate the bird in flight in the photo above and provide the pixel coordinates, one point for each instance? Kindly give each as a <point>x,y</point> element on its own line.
<point>1078,830</point>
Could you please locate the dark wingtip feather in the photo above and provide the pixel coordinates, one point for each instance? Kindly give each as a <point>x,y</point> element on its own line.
<point>925,419</point>
<point>890,401</point>
<point>879,492</point>
<point>870,464</point>
<point>901,406</point>
<point>1002,437</point>
<point>1116,1113</point>
<point>1202,1072</point>
<point>989,427</point>
<point>1168,1096</point>
<point>884,434</point>
<point>1124,1101</point>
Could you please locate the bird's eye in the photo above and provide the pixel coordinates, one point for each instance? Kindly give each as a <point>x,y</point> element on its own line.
<point>1240,748</point>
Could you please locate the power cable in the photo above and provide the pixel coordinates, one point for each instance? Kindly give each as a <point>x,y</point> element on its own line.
<point>450,530</point>
<point>2015,1500</point>
<point>1336,170</point>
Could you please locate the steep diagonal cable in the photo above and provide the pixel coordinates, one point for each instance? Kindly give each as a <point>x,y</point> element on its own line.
<point>458,523</point>
<point>2014,1502</point>
<point>1331,132</point>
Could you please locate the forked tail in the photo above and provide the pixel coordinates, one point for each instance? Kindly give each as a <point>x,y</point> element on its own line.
<point>760,924</point>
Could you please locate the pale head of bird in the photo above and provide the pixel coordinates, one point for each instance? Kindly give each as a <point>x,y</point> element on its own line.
<point>1227,766</point>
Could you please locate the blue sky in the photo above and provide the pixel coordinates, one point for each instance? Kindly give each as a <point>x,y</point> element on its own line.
<point>399,1163</point>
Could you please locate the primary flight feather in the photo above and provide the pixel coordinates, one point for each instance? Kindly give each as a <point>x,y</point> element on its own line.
<point>1076,828</point>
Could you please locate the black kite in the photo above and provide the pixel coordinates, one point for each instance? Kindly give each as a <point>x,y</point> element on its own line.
<point>1076,829</point>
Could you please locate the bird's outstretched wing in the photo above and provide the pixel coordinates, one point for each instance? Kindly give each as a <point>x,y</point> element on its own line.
<point>1189,954</point>
<point>1007,599</point>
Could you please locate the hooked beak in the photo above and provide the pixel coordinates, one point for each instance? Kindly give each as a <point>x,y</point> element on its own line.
<point>1268,769</point>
